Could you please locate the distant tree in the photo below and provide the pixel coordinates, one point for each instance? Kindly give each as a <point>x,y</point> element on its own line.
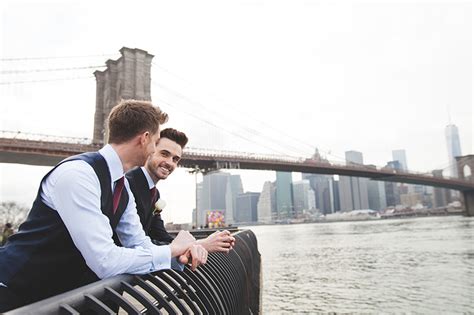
<point>11,212</point>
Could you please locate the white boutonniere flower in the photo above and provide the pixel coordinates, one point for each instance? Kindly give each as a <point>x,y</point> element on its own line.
<point>160,204</point>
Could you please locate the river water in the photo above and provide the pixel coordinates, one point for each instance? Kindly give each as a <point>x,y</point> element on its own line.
<point>418,265</point>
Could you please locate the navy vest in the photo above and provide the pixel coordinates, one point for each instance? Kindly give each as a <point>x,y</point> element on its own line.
<point>41,260</point>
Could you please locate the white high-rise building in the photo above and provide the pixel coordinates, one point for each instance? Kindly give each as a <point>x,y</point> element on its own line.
<point>303,196</point>
<point>454,148</point>
<point>266,203</point>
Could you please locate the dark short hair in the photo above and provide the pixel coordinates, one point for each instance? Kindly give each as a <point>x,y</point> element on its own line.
<point>132,117</point>
<point>175,135</point>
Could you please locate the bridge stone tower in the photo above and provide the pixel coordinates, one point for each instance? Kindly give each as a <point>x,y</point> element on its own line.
<point>125,78</point>
<point>465,166</point>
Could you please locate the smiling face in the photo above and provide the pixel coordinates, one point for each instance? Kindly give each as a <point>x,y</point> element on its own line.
<point>165,159</point>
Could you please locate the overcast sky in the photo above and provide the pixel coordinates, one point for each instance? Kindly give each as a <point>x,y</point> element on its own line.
<point>280,77</point>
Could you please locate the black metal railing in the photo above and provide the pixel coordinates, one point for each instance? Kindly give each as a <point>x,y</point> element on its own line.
<point>226,284</point>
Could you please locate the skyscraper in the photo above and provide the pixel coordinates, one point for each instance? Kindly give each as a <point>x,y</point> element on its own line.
<point>266,206</point>
<point>353,190</point>
<point>392,191</point>
<point>284,195</point>
<point>322,187</point>
<point>454,148</point>
<point>335,194</point>
<point>400,156</point>
<point>234,187</point>
<point>212,195</point>
<point>377,198</point>
<point>246,207</point>
<point>303,196</point>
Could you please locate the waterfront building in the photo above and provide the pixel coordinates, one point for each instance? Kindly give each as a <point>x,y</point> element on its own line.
<point>376,195</point>
<point>323,191</point>
<point>246,207</point>
<point>284,196</point>
<point>401,158</point>
<point>411,199</point>
<point>266,206</point>
<point>353,190</point>
<point>335,195</point>
<point>303,197</point>
<point>234,188</point>
<point>311,201</point>
<point>392,192</point>
<point>322,186</point>
<point>212,195</point>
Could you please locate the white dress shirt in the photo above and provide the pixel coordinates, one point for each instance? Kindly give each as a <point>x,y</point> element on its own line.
<point>151,184</point>
<point>73,190</point>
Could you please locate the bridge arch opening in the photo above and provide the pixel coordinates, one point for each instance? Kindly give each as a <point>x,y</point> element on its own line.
<point>467,172</point>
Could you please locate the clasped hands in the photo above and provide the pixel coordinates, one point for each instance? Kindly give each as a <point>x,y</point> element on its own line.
<point>188,249</point>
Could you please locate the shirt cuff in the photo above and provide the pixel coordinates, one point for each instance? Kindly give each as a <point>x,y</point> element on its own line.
<point>161,257</point>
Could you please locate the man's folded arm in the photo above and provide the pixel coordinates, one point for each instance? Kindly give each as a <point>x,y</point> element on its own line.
<point>77,200</point>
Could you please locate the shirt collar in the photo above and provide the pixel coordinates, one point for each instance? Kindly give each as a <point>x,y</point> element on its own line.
<point>113,161</point>
<point>151,184</point>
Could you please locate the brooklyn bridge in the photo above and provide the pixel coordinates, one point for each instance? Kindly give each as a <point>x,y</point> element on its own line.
<point>129,77</point>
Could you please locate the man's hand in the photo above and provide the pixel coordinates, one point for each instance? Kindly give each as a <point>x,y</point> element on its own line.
<point>198,255</point>
<point>183,241</point>
<point>219,241</point>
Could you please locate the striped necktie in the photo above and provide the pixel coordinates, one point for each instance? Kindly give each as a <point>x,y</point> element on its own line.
<point>119,183</point>
<point>153,193</point>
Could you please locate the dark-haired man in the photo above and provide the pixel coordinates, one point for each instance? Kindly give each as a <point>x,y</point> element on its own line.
<point>144,179</point>
<point>82,210</point>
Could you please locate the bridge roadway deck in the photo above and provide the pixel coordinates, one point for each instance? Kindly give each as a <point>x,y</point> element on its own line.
<point>45,153</point>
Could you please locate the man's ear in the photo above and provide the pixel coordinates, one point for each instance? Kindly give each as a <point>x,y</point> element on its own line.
<point>144,138</point>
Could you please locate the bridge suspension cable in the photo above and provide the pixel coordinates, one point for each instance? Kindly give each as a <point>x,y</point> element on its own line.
<point>54,57</point>
<point>248,116</point>
<point>283,148</point>
<point>38,69</point>
<point>225,116</point>
<point>219,127</point>
<point>44,80</point>
<point>49,69</point>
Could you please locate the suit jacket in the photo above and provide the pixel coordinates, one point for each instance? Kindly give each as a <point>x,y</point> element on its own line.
<point>152,223</point>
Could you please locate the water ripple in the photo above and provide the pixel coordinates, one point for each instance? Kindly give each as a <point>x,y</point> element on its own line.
<point>423,265</point>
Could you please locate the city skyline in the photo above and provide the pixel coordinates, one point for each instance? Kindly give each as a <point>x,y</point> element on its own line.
<point>314,195</point>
